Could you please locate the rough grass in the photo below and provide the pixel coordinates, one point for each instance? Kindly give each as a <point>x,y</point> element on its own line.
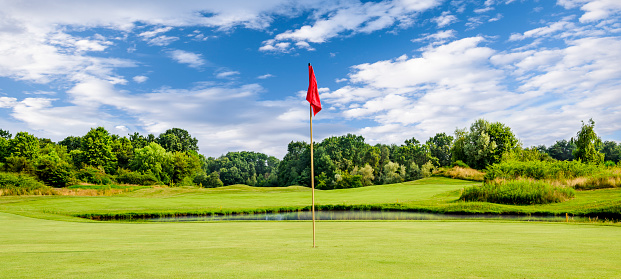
<point>35,248</point>
<point>458,172</point>
<point>521,192</point>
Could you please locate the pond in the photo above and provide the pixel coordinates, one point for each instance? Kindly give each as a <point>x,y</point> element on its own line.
<point>359,215</point>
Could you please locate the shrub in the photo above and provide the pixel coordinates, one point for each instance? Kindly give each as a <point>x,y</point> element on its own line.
<point>519,192</point>
<point>427,169</point>
<point>541,170</point>
<point>130,177</point>
<point>460,163</point>
<point>21,184</point>
<point>93,175</point>
<point>208,181</point>
<point>55,173</point>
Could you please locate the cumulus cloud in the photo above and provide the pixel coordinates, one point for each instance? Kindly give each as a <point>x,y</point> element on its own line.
<point>140,79</point>
<point>451,85</point>
<point>348,18</point>
<point>594,9</point>
<point>194,60</point>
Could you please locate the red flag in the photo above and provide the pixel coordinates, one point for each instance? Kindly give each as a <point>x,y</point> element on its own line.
<point>312,95</point>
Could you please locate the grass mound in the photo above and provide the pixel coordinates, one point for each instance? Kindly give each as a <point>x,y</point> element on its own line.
<point>519,192</point>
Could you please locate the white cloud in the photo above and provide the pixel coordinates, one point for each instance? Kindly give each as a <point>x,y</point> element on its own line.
<point>193,60</point>
<point>227,74</point>
<point>140,79</point>
<point>348,18</point>
<point>542,94</point>
<point>265,76</point>
<point>445,19</point>
<point>594,9</point>
<point>438,38</point>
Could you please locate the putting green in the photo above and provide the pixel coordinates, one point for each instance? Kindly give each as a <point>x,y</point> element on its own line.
<point>40,248</point>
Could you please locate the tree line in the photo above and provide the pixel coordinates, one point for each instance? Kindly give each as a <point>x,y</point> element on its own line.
<point>346,161</point>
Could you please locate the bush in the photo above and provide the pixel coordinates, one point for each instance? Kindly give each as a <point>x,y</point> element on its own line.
<point>521,192</point>
<point>208,181</point>
<point>54,173</point>
<point>460,163</point>
<point>427,169</point>
<point>90,174</point>
<point>136,178</point>
<point>21,184</point>
<point>541,170</point>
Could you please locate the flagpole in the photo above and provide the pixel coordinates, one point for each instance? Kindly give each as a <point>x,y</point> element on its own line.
<point>312,171</point>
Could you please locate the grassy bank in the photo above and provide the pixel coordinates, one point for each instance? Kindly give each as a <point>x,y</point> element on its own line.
<point>436,194</point>
<point>52,249</point>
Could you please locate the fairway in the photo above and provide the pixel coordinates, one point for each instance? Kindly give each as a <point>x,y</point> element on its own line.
<point>54,249</point>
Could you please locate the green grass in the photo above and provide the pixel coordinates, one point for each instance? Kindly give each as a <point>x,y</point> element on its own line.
<point>36,248</point>
<point>436,194</point>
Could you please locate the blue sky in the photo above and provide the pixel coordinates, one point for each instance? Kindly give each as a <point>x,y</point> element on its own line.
<point>233,73</point>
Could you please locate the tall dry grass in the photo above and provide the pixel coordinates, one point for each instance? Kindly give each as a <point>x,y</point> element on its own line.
<point>461,173</point>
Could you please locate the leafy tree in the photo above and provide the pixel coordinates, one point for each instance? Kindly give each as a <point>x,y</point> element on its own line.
<point>562,150</point>
<point>177,139</point>
<point>483,144</point>
<point>588,144</point>
<point>504,138</point>
<point>612,151</point>
<point>5,134</point>
<point>440,148</point>
<point>184,165</point>
<point>139,141</point>
<point>293,164</point>
<point>208,181</point>
<point>366,173</point>
<point>97,149</point>
<point>475,147</point>
<point>393,173</point>
<point>72,143</point>
<point>153,159</point>
<point>24,145</point>
<point>4,149</point>
<point>53,170</point>
<point>123,151</point>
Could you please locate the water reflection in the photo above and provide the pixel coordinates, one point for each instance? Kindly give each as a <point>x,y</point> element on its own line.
<point>360,215</point>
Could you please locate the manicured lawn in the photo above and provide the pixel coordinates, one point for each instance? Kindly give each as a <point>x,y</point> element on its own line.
<point>40,248</point>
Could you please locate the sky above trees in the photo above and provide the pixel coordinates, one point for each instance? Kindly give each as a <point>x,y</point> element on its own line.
<point>233,73</point>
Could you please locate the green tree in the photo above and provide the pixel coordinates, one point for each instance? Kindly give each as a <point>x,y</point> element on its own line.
<point>184,165</point>
<point>123,151</point>
<point>440,148</point>
<point>366,173</point>
<point>588,144</point>
<point>139,141</point>
<point>177,139</point>
<point>97,149</point>
<point>153,159</point>
<point>5,134</point>
<point>393,173</point>
<point>562,150</point>
<point>4,149</point>
<point>483,144</point>
<point>52,169</point>
<point>72,143</point>
<point>24,145</point>
<point>612,151</point>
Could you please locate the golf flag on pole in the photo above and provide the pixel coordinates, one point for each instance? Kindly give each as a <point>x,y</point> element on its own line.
<point>312,95</point>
